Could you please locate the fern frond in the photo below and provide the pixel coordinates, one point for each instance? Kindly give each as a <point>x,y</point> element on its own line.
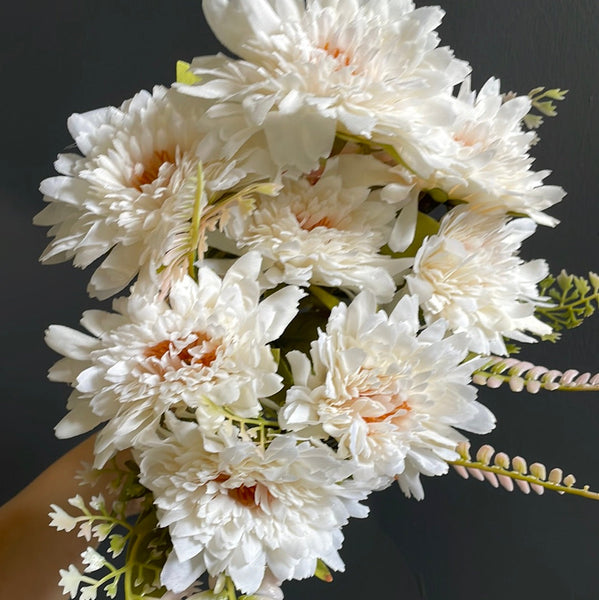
<point>520,375</point>
<point>576,298</point>
<point>526,479</point>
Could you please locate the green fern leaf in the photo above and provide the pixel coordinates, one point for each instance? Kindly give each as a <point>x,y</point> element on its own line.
<point>574,299</point>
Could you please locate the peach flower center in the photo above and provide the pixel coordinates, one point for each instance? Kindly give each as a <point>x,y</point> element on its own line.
<point>147,172</point>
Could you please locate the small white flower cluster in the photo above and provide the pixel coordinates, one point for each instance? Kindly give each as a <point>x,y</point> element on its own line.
<point>324,240</point>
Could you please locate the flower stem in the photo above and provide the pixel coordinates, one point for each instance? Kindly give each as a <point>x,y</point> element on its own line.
<point>195,221</point>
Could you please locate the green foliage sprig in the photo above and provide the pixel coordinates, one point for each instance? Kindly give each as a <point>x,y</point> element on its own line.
<point>575,298</point>
<point>144,544</point>
<point>542,101</point>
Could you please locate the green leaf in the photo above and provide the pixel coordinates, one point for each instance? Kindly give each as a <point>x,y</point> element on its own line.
<point>594,279</point>
<point>533,121</point>
<point>564,280</point>
<point>322,572</point>
<point>112,588</point>
<point>542,101</point>
<point>556,94</point>
<point>547,108</point>
<point>184,75</point>
<point>117,544</point>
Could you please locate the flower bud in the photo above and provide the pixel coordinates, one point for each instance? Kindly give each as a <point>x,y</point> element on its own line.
<point>519,465</point>
<point>539,471</point>
<point>555,476</point>
<point>502,460</point>
<point>485,454</point>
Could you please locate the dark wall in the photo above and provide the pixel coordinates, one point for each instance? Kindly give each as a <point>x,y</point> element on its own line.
<point>465,541</point>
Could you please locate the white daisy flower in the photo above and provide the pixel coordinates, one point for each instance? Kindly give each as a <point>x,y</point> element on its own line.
<point>483,156</point>
<point>389,395</point>
<point>369,68</point>
<point>132,192</point>
<point>470,275</point>
<point>323,232</point>
<point>248,510</point>
<point>205,348</point>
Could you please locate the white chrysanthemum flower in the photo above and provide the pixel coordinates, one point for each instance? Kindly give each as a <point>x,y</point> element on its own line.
<point>369,68</point>
<point>204,349</point>
<point>247,508</point>
<point>323,232</point>
<point>132,192</point>
<point>484,156</point>
<point>470,275</point>
<point>388,395</point>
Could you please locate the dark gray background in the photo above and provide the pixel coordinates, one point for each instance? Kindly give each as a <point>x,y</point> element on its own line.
<point>465,541</point>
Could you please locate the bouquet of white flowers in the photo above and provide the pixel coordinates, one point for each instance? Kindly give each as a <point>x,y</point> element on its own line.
<point>324,237</point>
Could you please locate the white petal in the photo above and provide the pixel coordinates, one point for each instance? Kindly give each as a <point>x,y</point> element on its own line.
<point>178,576</point>
<point>69,342</point>
<point>278,310</point>
<point>312,138</point>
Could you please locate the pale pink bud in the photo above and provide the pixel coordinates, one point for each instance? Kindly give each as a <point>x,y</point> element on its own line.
<point>485,454</point>
<point>502,460</point>
<point>539,471</point>
<point>555,476</point>
<point>519,465</point>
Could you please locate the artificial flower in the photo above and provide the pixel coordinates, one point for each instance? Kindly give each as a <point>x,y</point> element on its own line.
<point>485,159</point>
<point>471,276</point>
<point>207,345</point>
<point>389,395</point>
<point>131,193</point>
<point>369,69</point>
<point>323,231</point>
<point>248,509</point>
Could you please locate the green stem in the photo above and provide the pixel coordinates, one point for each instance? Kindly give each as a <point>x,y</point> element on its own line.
<point>233,417</point>
<point>91,518</point>
<point>326,298</point>
<point>112,575</point>
<point>195,221</point>
<point>565,305</point>
<point>131,561</point>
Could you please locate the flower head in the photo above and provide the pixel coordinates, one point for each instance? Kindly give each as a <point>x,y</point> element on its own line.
<point>247,508</point>
<point>203,350</point>
<point>323,232</point>
<point>368,68</point>
<point>131,193</point>
<point>470,275</point>
<point>483,156</point>
<point>388,395</point>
